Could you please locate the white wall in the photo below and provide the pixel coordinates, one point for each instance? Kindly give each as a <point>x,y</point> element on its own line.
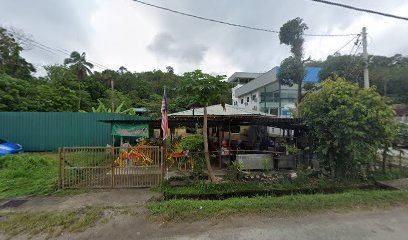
<point>250,101</point>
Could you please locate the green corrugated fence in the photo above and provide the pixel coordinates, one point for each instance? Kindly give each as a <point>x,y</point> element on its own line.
<point>46,131</point>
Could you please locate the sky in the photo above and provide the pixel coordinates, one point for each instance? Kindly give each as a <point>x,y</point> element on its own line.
<point>116,33</point>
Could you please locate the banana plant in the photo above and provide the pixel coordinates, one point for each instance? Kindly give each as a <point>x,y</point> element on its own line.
<point>102,108</point>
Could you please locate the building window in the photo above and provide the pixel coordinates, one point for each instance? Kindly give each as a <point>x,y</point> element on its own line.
<point>247,99</point>
<point>253,97</point>
<point>242,101</point>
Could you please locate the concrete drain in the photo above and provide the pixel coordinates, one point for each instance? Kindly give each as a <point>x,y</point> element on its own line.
<point>13,203</point>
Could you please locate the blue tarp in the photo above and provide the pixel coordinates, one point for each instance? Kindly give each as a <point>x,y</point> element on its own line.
<point>312,74</point>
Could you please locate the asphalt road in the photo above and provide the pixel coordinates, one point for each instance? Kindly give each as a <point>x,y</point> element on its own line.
<point>360,225</point>
<point>388,224</point>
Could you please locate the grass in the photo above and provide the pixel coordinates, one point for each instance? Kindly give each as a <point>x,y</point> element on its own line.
<point>28,174</point>
<point>179,209</point>
<point>299,185</point>
<point>53,223</point>
<point>234,187</point>
<point>392,174</point>
<point>202,187</point>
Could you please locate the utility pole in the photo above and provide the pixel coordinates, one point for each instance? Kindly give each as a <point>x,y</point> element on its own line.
<point>113,95</point>
<point>365,57</point>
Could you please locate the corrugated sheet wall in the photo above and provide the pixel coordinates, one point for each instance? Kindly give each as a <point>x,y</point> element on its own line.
<point>46,131</point>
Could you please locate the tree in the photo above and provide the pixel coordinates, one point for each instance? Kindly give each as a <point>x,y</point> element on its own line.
<point>344,66</point>
<point>202,89</point>
<point>292,70</point>
<point>388,74</point>
<point>61,75</point>
<point>348,124</point>
<point>78,64</point>
<point>35,95</point>
<point>14,94</point>
<point>11,61</point>
<point>401,139</point>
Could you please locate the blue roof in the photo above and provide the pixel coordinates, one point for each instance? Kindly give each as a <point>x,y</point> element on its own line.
<point>312,74</point>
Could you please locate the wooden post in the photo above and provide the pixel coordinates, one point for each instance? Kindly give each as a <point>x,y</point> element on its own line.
<point>229,134</point>
<point>60,177</point>
<point>164,158</point>
<point>113,166</point>
<point>219,146</point>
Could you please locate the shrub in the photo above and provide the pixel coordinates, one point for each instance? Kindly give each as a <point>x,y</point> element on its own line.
<point>194,143</point>
<point>348,124</point>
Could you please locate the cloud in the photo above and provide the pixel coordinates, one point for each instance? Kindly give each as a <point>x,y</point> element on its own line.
<point>64,24</point>
<point>141,38</point>
<point>164,45</point>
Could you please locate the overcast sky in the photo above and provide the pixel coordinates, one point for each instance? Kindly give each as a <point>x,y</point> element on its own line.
<point>118,33</point>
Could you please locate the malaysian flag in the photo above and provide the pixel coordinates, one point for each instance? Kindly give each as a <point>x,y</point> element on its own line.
<point>164,110</point>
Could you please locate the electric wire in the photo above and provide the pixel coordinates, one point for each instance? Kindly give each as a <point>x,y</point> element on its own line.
<point>236,25</point>
<point>361,9</point>
<point>53,50</point>
<point>345,45</point>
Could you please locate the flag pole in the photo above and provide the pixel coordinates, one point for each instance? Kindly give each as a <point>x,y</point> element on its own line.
<point>165,132</point>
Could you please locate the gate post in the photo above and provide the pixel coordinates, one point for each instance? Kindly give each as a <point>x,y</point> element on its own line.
<point>113,167</point>
<point>61,169</point>
<point>163,166</point>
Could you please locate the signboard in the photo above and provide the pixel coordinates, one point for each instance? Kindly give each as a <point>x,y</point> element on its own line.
<point>130,130</point>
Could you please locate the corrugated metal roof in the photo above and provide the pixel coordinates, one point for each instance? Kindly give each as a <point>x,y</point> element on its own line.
<point>259,82</point>
<point>218,110</point>
<point>312,75</point>
<point>243,75</point>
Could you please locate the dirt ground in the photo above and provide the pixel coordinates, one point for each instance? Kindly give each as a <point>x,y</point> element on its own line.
<point>374,224</point>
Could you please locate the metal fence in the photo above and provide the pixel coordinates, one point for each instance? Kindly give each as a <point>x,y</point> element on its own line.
<point>110,167</point>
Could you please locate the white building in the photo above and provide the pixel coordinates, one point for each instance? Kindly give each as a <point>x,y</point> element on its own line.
<point>262,92</point>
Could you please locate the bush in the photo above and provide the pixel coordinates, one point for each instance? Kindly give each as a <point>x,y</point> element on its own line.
<point>194,143</point>
<point>401,138</point>
<point>348,124</point>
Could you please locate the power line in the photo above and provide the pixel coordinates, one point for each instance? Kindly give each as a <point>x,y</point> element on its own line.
<point>346,44</point>
<point>53,50</point>
<point>356,44</point>
<point>234,24</point>
<point>361,9</point>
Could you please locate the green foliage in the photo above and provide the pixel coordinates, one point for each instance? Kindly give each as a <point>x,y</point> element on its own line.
<point>202,187</point>
<point>388,74</point>
<point>13,94</point>
<point>391,174</point>
<point>309,86</point>
<point>28,174</point>
<point>35,95</point>
<point>291,71</point>
<point>52,224</point>
<point>344,66</point>
<point>11,61</point>
<point>402,135</point>
<point>194,143</point>
<point>201,89</point>
<point>348,124</point>
<point>181,209</point>
<point>291,33</point>
<point>78,64</point>
<point>119,109</point>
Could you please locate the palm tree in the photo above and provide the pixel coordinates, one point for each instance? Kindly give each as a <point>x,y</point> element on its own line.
<point>203,89</point>
<point>78,64</point>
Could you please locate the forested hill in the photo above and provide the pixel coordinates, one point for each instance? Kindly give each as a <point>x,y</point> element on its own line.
<point>74,85</point>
